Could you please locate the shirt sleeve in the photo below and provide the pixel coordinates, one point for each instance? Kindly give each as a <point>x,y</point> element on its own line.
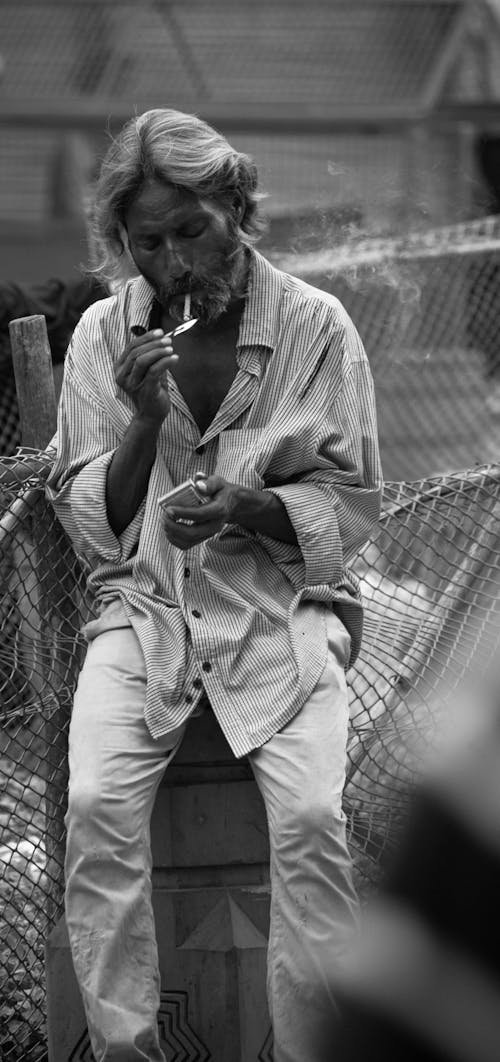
<point>76,487</point>
<point>333,501</point>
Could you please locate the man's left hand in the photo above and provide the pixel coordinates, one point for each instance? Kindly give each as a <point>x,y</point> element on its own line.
<point>204,520</point>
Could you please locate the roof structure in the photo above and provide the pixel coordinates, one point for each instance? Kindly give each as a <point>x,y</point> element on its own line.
<point>327,55</point>
<point>289,81</point>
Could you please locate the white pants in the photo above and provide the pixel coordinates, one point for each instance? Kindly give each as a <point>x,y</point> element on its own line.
<point>115,770</point>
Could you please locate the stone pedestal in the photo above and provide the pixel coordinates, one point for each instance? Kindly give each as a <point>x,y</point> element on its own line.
<point>211,902</point>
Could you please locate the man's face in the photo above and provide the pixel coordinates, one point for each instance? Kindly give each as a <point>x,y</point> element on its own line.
<point>184,244</point>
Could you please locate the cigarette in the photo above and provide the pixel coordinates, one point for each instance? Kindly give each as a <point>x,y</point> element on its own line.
<point>187,306</point>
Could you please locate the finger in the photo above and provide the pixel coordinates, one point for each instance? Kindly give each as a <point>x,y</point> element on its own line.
<point>188,533</point>
<point>160,367</point>
<point>181,536</point>
<point>194,513</point>
<point>145,333</point>
<point>153,362</point>
<point>182,539</point>
<point>147,351</point>
<point>141,365</point>
<point>210,512</point>
<point>140,340</point>
<point>211,484</point>
<point>154,340</point>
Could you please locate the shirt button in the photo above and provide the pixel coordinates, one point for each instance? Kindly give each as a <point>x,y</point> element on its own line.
<point>189,698</point>
<point>197,683</point>
<point>206,666</point>
<point>196,614</point>
<point>187,572</point>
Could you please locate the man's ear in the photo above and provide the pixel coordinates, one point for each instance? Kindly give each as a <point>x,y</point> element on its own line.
<point>124,236</point>
<point>238,207</point>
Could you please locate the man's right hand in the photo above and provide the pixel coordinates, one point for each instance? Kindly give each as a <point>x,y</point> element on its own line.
<point>140,371</point>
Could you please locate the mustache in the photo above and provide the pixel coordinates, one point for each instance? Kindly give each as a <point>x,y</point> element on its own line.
<point>182,286</point>
<point>208,279</point>
<point>210,285</point>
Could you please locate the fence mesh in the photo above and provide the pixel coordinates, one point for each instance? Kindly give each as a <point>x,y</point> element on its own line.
<point>430,583</point>
<point>42,606</point>
<point>427,311</point>
<point>427,307</point>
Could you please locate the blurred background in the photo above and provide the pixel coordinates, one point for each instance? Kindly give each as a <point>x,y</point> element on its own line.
<point>368,119</point>
<point>382,114</point>
<point>376,126</point>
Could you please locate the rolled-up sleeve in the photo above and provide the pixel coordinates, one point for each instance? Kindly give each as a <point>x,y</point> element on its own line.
<point>76,487</point>
<point>334,504</point>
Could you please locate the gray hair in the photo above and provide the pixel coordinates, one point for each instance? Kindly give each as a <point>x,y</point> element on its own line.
<point>177,149</point>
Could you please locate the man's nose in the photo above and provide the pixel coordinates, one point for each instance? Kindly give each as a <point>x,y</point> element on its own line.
<point>175,259</point>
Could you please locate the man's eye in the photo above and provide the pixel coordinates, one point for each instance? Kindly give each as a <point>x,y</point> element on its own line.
<point>190,232</point>
<point>149,243</point>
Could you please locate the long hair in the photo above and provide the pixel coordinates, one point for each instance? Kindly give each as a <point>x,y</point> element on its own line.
<point>177,149</point>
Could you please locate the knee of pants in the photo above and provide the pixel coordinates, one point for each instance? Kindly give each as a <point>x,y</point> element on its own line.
<point>98,821</point>
<point>306,825</point>
<point>97,837</point>
<point>84,803</point>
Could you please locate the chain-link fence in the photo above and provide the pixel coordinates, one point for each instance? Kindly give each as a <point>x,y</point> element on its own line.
<point>427,307</point>
<point>428,310</point>
<point>42,605</point>
<point>430,579</point>
<point>430,584</point>
<point>428,315</point>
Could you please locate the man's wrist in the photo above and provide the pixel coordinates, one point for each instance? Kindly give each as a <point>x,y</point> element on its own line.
<point>243,503</point>
<point>262,512</point>
<point>146,423</point>
<point>252,508</point>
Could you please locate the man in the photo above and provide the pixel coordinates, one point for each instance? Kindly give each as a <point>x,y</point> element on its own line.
<point>246,600</point>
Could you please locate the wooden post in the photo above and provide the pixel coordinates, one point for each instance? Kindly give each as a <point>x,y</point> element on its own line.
<point>32,363</point>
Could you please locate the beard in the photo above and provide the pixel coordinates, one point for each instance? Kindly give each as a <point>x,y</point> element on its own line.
<point>212,291</point>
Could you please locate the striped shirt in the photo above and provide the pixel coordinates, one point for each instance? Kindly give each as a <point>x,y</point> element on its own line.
<point>241,616</point>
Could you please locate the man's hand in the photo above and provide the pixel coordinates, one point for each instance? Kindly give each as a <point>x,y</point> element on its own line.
<point>140,371</point>
<point>204,520</point>
<point>229,503</point>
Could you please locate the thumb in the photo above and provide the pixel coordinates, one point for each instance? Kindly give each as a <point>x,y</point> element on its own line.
<point>210,485</point>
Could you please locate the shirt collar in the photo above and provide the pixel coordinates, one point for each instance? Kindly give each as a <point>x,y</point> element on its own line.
<point>259,323</point>
<point>141,302</point>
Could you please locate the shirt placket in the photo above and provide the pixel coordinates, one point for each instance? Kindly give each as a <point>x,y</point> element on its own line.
<point>200,621</point>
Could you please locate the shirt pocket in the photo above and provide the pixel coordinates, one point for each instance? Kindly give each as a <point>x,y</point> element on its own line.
<point>237,457</point>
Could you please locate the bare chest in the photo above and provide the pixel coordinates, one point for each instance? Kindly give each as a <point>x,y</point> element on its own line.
<point>204,374</point>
